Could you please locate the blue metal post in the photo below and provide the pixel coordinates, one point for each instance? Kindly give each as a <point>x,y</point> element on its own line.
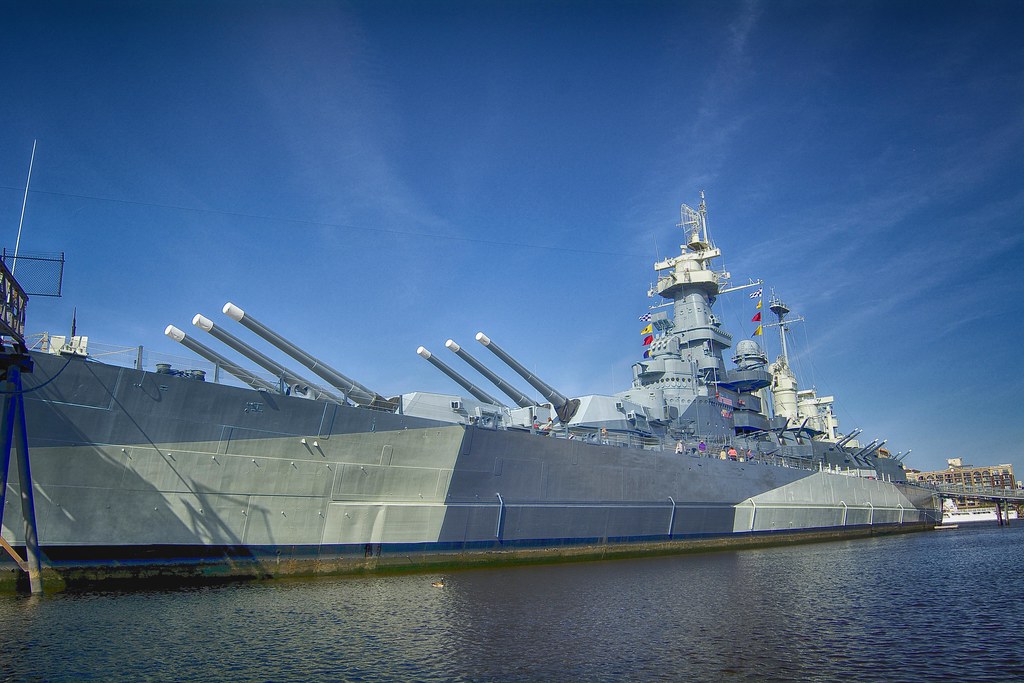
<point>7,430</point>
<point>14,431</point>
<point>28,505</point>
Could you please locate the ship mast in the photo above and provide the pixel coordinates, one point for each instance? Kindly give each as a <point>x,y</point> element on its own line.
<point>689,283</point>
<point>683,378</point>
<point>780,309</point>
<point>784,385</point>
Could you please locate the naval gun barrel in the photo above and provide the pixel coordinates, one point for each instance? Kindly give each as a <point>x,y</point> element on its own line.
<point>563,406</point>
<point>351,388</point>
<point>521,399</point>
<point>849,437</point>
<point>863,454</point>
<point>209,354</point>
<point>873,450</point>
<point>204,323</point>
<point>874,444</point>
<point>476,391</point>
<point>840,444</point>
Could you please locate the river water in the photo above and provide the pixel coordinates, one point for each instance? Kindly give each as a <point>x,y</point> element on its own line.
<point>933,606</point>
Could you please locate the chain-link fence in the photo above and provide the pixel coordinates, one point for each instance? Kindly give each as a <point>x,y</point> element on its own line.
<point>38,274</point>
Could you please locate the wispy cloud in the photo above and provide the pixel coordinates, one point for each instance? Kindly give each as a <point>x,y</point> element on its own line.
<point>919,276</point>
<point>718,121</point>
<point>338,128</point>
<point>707,126</point>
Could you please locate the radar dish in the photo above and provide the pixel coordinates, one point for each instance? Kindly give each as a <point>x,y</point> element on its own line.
<point>692,221</point>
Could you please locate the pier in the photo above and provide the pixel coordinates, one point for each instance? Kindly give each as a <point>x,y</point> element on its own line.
<point>1002,497</point>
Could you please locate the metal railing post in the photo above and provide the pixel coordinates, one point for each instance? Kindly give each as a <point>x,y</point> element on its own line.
<point>501,517</point>
<point>672,518</point>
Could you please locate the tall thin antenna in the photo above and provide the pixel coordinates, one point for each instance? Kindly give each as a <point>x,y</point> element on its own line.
<point>24,201</point>
<point>703,210</point>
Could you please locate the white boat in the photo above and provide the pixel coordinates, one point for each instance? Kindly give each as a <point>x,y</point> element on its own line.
<point>951,514</point>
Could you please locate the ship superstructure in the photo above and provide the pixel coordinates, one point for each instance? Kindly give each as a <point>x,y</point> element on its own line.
<point>683,389</point>
<point>685,381</point>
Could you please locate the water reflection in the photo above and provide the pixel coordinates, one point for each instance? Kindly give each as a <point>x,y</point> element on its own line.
<point>936,606</point>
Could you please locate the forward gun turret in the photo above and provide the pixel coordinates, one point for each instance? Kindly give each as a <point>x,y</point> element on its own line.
<point>521,399</point>
<point>352,389</point>
<point>564,407</point>
<point>268,364</point>
<point>476,391</point>
<point>217,359</point>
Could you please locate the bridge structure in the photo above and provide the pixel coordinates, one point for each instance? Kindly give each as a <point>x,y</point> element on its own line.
<point>1003,498</point>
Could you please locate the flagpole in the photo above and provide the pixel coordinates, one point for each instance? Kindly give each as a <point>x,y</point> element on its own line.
<point>24,202</point>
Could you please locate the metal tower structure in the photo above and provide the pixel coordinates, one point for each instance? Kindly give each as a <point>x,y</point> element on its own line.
<point>14,362</point>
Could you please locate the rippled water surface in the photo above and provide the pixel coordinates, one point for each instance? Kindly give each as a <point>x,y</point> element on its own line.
<point>936,606</point>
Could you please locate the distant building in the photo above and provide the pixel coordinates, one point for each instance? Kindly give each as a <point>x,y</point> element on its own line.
<point>991,476</point>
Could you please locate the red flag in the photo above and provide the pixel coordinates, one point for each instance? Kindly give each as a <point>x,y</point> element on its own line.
<point>648,339</point>
<point>756,318</point>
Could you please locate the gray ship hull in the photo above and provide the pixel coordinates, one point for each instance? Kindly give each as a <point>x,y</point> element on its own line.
<point>141,474</point>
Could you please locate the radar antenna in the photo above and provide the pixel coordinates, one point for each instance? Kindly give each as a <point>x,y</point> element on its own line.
<point>695,224</point>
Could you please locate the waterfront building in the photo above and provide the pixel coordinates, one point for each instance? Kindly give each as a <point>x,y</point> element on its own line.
<point>990,476</point>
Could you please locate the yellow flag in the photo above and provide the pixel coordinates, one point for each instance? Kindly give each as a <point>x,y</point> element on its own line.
<point>759,304</point>
<point>647,330</point>
<point>757,331</point>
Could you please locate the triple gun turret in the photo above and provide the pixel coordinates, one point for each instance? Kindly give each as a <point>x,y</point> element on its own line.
<point>348,388</point>
<point>564,407</point>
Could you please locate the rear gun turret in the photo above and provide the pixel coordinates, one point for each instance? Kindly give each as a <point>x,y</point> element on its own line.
<point>849,437</point>
<point>869,449</point>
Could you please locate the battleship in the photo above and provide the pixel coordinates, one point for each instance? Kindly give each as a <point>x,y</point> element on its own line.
<point>168,474</point>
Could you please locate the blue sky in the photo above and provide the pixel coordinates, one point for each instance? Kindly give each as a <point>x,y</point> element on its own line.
<point>367,177</point>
